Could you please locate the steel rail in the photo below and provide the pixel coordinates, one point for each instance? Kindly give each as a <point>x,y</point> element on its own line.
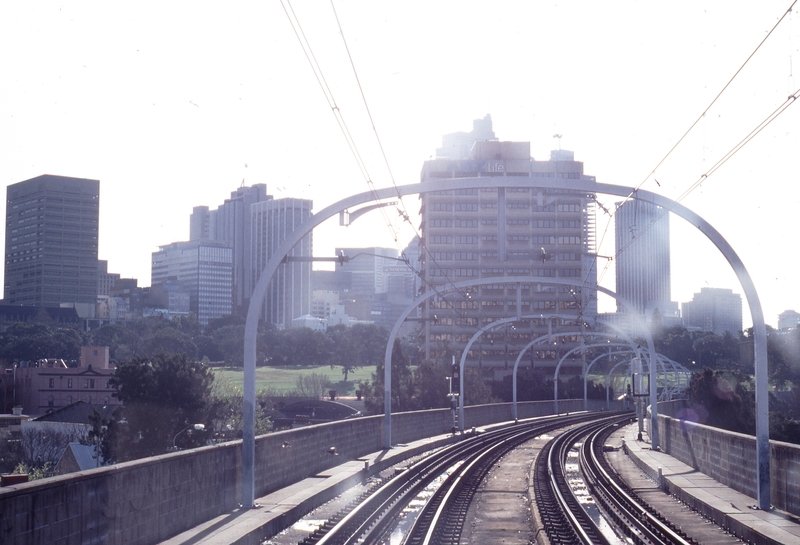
<point>632,515</point>
<point>368,522</point>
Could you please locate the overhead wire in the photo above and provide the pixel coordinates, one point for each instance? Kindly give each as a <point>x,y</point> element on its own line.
<point>403,213</point>
<point>294,21</point>
<point>724,159</point>
<point>328,93</point>
<point>691,127</point>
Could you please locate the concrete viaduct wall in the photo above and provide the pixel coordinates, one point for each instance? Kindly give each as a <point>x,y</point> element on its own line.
<point>147,501</point>
<point>729,457</point>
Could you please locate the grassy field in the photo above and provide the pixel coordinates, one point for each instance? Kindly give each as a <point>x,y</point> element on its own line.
<point>284,378</point>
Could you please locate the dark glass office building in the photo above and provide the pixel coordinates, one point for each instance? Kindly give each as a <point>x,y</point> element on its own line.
<point>51,241</point>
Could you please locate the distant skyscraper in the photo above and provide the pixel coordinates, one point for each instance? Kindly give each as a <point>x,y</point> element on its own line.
<point>501,232</point>
<point>231,224</point>
<point>51,242</point>
<point>643,257</point>
<point>289,292</point>
<point>203,268</point>
<point>366,268</point>
<point>714,309</point>
<point>788,319</point>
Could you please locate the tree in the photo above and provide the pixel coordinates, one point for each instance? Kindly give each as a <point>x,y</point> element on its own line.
<point>168,340</point>
<point>229,342</point>
<point>31,342</point>
<point>709,348</point>
<point>402,384</point>
<point>161,396</point>
<point>431,380</point>
<point>314,385</point>
<point>358,346</point>
<point>676,343</point>
<point>43,446</point>
<point>721,399</point>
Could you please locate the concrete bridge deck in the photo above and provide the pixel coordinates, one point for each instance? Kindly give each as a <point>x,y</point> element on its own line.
<point>284,507</point>
<point>728,508</point>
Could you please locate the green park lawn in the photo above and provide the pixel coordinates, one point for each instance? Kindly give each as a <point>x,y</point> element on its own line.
<point>284,378</point>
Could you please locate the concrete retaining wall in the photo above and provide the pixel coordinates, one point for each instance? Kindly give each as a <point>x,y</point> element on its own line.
<point>730,458</point>
<point>147,501</point>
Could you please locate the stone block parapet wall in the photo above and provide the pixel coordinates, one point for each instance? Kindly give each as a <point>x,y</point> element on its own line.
<point>147,501</point>
<point>730,458</point>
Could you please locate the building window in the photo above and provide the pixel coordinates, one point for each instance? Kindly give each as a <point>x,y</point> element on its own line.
<point>69,383</point>
<point>52,383</point>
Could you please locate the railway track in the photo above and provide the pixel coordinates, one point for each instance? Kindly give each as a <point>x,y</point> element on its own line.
<point>467,463</point>
<point>442,518</point>
<point>566,521</point>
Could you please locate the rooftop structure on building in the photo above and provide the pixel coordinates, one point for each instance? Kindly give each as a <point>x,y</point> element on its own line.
<point>201,268</point>
<point>51,242</point>
<point>458,145</point>
<point>540,234</point>
<point>714,309</point>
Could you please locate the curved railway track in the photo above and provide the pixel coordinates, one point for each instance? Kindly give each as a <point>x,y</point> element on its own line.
<point>467,463</point>
<point>565,520</point>
<point>441,519</point>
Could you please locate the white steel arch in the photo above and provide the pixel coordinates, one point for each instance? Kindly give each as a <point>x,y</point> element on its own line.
<point>589,186</point>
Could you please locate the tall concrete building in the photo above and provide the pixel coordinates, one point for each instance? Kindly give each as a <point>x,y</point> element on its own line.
<point>498,231</point>
<point>203,269</point>
<point>51,242</point>
<point>231,224</point>
<point>714,309</point>
<point>289,292</point>
<point>642,255</point>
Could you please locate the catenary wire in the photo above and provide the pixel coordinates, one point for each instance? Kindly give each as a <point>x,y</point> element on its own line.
<point>685,134</point>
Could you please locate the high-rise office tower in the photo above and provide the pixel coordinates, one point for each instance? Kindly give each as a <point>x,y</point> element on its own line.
<point>231,224</point>
<point>203,268</point>
<point>289,293</point>
<point>51,242</point>
<point>642,255</point>
<point>714,309</point>
<point>502,232</point>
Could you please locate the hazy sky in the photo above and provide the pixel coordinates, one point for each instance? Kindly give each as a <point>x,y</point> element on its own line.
<point>174,104</point>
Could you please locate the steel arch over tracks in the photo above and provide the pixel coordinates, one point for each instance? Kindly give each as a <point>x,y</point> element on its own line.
<point>590,187</point>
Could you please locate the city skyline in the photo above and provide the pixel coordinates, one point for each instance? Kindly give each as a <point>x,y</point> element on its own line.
<point>167,124</point>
